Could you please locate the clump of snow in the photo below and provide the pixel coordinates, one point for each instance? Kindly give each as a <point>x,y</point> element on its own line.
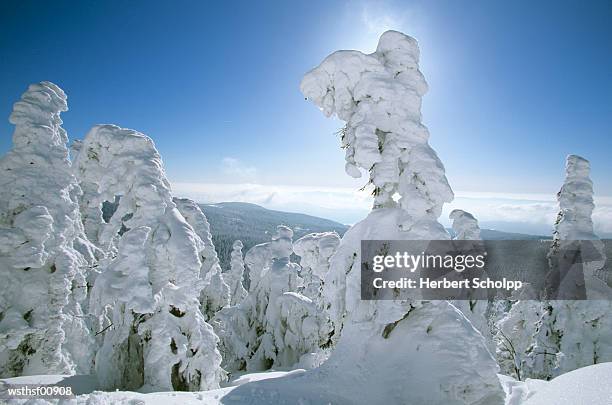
<point>266,375</point>
<point>151,330</point>
<point>44,254</point>
<point>235,275</point>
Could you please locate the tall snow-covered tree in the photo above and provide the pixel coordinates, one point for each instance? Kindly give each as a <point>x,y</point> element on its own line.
<point>465,227</point>
<point>151,330</point>
<point>44,254</point>
<point>379,97</point>
<point>216,293</point>
<point>235,275</point>
<point>572,334</point>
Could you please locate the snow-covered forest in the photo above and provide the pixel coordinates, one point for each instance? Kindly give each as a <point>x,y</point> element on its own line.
<point>111,282</point>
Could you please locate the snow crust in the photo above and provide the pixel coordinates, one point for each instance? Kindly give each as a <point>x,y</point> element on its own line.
<point>585,386</point>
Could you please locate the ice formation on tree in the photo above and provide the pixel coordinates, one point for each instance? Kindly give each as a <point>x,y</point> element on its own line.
<point>315,251</point>
<point>256,260</point>
<point>379,98</point>
<point>274,325</point>
<point>235,275</point>
<point>216,293</point>
<point>44,254</point>
<point>146,297</point>
<point>514,335</point>
<point>575,202</point>
<point>573,334</point>
<point>465,227</point>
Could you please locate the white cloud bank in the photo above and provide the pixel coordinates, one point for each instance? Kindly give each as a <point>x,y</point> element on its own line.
<point>524,213</point>
<point>340,204</point>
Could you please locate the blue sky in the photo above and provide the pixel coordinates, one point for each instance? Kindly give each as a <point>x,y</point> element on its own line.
<point>514,86</point>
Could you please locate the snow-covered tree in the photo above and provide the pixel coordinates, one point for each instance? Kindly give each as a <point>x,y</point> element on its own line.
<point>256,260</point>
<point>572,334</point>
<point>465,227</point>
<point>315,251</point>
<point>235,275</point>
<point>514,336</point>
<point>274,326</point>
<point>146,297</point>
<point>216,293</point>
<point>379,98</point>
<point>44,254</point>
<point>575,202</point>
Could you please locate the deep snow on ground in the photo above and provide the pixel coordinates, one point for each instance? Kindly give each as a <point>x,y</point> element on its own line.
<point>590,385</point>
<point>585,386</point>
<point>85,387</point>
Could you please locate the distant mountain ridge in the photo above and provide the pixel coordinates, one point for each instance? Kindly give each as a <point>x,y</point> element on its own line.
<point>254,224</point>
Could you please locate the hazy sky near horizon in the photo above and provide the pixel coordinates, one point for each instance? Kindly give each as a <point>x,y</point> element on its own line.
<point>514,86</point>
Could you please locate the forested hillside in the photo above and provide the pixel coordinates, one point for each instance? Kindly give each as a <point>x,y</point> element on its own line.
<point>253,224</point>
